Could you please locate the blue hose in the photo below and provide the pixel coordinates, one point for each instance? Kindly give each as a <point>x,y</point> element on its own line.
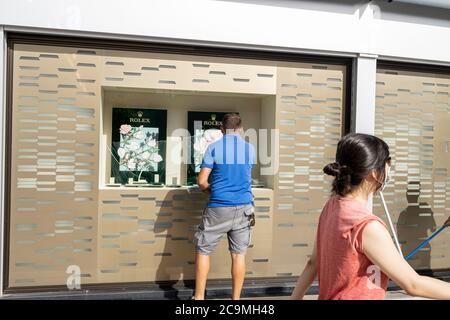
<point>423,244</point>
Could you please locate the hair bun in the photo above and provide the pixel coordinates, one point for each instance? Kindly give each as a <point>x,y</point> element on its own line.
<point>336,170</point>
<point>332,169</point>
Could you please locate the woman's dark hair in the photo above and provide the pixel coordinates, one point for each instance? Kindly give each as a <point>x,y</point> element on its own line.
<point>357,155</point>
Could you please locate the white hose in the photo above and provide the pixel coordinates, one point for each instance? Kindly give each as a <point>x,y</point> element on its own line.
<point>394,233</point>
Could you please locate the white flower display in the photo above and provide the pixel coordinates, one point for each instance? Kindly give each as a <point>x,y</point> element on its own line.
<point>156,157</point>
<point>138,150</point>
<point>139,135</point>
<point>131,164</point>
<point>151,143</point>
<point>145,155</point>
<point>121,152</point>
<point>203,138</point>
<point>133,146</point>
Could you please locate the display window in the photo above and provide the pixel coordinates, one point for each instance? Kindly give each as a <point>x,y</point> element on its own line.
<point>105,145</point>
<point>204,128</point>
<point>138,156</point>
<point>412,116</point>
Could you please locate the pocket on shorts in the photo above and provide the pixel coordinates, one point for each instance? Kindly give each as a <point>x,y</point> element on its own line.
<point>210,217</point>
<point>249,213</point>
<point>249,238</point>
<point>199,237</point>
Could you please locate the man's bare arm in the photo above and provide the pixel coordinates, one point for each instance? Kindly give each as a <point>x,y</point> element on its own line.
<point>202,179</point>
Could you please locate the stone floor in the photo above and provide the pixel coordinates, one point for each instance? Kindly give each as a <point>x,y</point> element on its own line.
<point>390,295</point>
<point>252,291</point>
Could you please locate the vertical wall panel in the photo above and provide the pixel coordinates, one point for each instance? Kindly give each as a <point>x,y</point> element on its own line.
<point>54,174</point>
<point>413,116</point>
<point>310,101</point>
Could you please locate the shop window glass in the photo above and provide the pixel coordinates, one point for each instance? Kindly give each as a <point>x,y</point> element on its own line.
<point>97,184</point>
<point>413,116</point>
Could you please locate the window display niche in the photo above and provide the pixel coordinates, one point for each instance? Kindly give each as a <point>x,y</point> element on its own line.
<point>204,128</point>
<point>138,147</point>
<point>132,156</point>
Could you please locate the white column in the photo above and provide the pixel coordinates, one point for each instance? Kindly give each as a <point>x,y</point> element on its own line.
<point>363,115</point>
<point>365,85</point>
<point>2,150</point>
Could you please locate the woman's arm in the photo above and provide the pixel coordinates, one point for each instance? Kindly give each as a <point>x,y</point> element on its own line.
<point>378,247</point>
<point>307,277</point>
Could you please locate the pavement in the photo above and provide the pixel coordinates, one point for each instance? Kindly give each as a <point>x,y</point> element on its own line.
<point>390,295</point>
<point>253,290</point>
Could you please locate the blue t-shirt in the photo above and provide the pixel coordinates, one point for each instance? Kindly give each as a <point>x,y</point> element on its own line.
<point>231,160</point>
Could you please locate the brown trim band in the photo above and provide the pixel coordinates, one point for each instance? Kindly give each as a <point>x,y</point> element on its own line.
<point>136,46</point>
<point>407,66</point>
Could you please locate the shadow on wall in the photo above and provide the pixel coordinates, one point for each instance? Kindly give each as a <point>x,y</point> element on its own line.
<point>415,224</point>
<point>177,221</point>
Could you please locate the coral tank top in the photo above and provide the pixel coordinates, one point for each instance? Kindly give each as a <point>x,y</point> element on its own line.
<point>344,272</point>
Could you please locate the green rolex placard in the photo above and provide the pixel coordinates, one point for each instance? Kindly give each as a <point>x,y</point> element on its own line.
<point>138,145</point>
<point>204,128</point>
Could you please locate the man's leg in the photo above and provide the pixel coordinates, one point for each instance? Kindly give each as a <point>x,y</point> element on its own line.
<point>239,239</point>
<point>201,274</point>
<point>238,274</point>
<point>215,223</point>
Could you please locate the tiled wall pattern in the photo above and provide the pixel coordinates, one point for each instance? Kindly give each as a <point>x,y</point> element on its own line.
<point>147,235</point>
<point>54,179</point>
<point>60,216</point>
<point>309,101</point>
<point>413,116</point>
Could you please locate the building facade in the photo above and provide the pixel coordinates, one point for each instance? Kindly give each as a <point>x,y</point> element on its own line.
<point>100,99</point>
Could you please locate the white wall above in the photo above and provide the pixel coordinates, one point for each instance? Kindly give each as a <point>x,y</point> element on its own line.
<point>343,26</point>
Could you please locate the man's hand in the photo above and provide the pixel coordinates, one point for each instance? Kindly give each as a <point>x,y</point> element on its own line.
<point>207,190</point>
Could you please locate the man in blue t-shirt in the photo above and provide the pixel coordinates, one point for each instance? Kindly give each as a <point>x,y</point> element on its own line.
<point>227,164</point>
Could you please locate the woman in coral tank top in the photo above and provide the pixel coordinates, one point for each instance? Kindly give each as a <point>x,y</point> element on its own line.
<point>354,255</point>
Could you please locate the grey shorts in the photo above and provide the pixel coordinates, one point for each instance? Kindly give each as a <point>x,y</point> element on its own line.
<point>216,221</point>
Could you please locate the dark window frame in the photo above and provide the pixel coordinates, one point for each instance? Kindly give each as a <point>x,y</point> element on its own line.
<point>410,66</point>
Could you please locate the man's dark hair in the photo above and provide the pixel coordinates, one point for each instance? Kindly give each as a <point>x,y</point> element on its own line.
<point>231,121</point>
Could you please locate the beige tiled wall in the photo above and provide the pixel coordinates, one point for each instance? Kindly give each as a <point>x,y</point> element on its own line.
<point>61,214</point>
<point>147,235</point>
<point>309,117</point>
<point>413,116</point>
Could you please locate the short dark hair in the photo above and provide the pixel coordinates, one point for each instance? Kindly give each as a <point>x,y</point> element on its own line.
<point>357,155</point>
<point>231,121</point>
